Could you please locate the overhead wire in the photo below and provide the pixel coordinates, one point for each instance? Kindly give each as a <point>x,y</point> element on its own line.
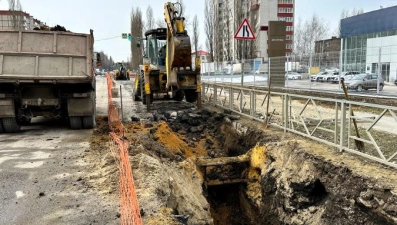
<point>104,39</point>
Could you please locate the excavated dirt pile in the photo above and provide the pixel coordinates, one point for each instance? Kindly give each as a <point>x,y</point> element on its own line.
<point>287,179</point>
<point>164,149</point>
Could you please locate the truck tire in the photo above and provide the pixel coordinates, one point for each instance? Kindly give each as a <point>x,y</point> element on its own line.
<point>10,125</point>
<point>88,122</point>
<point>179,95</point>
<point>191,96</point>
<point>1,127</point>
<point>75,122</point>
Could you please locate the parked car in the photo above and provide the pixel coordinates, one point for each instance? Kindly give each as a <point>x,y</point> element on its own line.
<point>395,81</point>
<point>319,76</point>
<point>362,82</point>
<point>261,72</point>
<point>293,76</point>
<point>332,69</point>
<point>302,70</point>
<point>325,77</point>
<point>346,75</point>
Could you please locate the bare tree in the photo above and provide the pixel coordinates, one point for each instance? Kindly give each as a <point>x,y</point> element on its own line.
<point>161,23</point>
<point>209,27</point>
<point>238,18</point>
<point>344,14</point>
<point>107,62</point>
<point>149,18</point>
<point>312,30</point>
<point>17,17</point>
<point>137,33</point>
<point>218,33</point>
<point>183,12</point>
<point>228,21</point>
<point>196,33</point>
<point>252,46</point>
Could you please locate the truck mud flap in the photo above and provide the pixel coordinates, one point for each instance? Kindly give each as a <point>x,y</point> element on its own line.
<point>7,108</point>
<point>81,107</point>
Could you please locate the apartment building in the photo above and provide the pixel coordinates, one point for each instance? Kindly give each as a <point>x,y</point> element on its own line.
<point>17,20</point>
<point>230,13</point>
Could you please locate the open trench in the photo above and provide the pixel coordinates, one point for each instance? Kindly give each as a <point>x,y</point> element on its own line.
<point>204,167</point>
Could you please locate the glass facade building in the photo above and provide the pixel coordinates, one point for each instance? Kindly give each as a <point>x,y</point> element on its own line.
<point>356,31</point>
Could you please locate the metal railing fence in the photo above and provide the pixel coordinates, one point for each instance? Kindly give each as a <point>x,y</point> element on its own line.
<point>326,120</point>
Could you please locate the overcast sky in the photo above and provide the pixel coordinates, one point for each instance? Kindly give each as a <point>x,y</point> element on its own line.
<point>111,18</point>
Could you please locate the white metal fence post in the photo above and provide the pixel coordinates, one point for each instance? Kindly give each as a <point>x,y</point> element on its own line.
<point>379,70</point>
<point>310,70</point>
<point>342,125</point>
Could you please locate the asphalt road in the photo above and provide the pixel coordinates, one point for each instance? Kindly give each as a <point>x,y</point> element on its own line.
<point>49,176</point>
<point>390,89</point>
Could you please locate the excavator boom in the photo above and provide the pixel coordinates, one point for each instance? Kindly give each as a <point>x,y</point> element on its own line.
<point>178,44</point>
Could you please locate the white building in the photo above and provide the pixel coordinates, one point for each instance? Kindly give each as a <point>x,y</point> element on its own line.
<point>387,47</point>
<point>366,35</point>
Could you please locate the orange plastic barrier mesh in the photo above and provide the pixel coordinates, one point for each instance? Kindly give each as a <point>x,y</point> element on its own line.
<point>129,207</point>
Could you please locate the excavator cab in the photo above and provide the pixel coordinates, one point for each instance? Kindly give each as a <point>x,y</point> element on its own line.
<point>156,46</point>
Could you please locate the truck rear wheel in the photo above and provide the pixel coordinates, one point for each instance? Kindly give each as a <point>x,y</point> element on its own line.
<point>191,96</point>
<point>179,95</point>
<point>88,122</point>
<point>10,125</point>
<point>75,122</point>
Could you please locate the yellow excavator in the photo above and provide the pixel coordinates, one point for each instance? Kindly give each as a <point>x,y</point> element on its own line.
<point>167,65</point>
<point>121,72</point>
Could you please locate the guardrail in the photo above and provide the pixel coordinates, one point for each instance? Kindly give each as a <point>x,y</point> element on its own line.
<point>326,120</point>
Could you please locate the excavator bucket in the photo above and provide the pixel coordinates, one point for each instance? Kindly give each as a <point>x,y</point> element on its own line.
<point>182,52</point>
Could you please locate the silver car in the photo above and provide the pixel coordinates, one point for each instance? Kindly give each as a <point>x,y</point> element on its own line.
<point>362,82</point>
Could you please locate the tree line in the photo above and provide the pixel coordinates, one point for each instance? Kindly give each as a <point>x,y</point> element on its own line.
<point>107,61</point>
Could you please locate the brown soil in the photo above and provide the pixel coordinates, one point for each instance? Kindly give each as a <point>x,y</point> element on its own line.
<point>177,143</point>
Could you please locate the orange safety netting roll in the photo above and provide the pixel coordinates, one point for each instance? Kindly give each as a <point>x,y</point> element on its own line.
<point>129,207</point>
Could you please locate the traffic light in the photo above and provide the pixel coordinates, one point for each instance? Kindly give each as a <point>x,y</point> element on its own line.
<point>129,37</point>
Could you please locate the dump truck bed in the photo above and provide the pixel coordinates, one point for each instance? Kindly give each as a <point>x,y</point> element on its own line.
<point>46,56</point>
